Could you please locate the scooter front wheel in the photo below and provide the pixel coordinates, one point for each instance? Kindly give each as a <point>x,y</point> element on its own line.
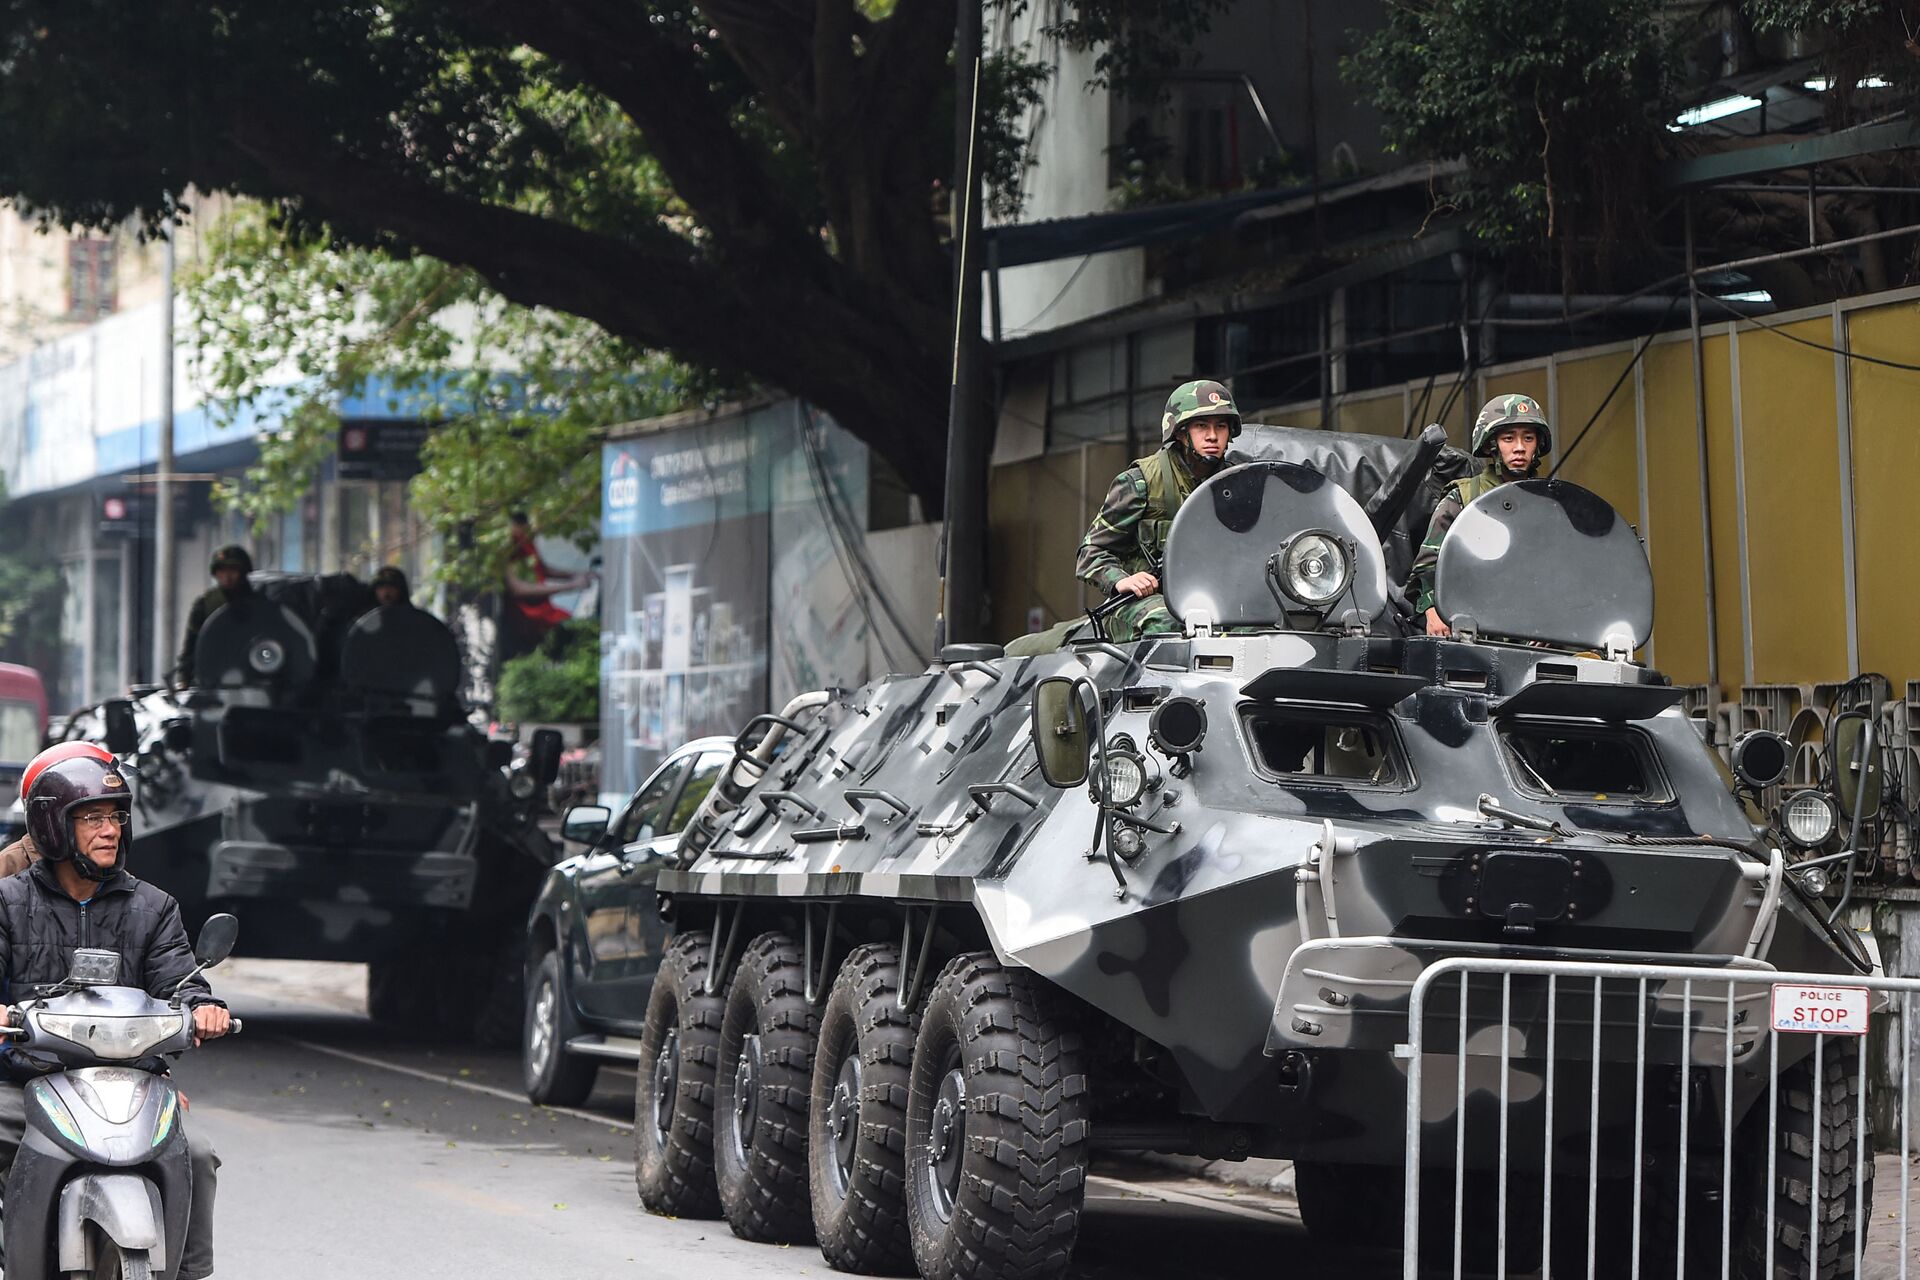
<point>111,1262</point>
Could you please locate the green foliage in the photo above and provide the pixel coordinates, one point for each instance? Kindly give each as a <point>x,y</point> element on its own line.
<point>559,682</point>
<point>1861,38</point>
<point>288,326</point>
<point>1139,41</point>
<point>1557,106</point>
<point>31,591</point>
<point>1794,15</point>
<point>1012,84</point>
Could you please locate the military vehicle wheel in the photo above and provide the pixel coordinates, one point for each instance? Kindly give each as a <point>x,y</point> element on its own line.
<point>996,1128</point>
<point>1815,1122</point>
<point>857,1125</point>
<point>499,1011</point>
<point>1346,1206</point>
<point>554,1077</point>
<point>673,1100</point>
<point>401,994</point>
<point>761,1087</point>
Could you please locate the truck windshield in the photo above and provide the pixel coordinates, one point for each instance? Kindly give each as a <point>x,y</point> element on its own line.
<point>19,731</point>
<point>1335,746</point>
<point>1585,762</point>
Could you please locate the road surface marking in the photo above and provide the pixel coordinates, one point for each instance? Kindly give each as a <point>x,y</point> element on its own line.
<point>472,1086</point>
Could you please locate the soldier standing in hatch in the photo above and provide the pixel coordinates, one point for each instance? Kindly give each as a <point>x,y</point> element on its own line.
<point>1121,552</point>
<point>230,568</point>
<point>390,587</point>
<point>1513,436</point>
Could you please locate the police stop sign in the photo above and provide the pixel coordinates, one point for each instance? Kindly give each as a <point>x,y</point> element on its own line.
<point>1840,1011</point>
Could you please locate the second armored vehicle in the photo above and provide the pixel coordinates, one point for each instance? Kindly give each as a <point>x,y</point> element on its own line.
<point>321,779</point>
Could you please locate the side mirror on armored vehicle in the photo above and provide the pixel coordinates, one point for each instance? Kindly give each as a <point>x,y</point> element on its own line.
<point>543,756</point>
<point>1855,761</point>
<point>1060,736</point>
<point>585,823</point>
<point>217,937</point>
<point>1761,758</point>
<point>123,732</point>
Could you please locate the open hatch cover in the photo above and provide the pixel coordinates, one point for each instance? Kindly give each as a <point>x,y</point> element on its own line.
<point>1223,536</point>
<point>1547,560</point>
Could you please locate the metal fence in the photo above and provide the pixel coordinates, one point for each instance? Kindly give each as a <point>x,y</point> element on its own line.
<point>1570,1119</point>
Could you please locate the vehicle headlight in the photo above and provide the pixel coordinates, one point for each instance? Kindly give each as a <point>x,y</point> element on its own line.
<point>1809,818</point>
<point>117,1039</point>
<point>1315,568</point>
<point>1814,881</point>
<point>521,786</point>
<point>267,656</point>
<point>1125,779</point>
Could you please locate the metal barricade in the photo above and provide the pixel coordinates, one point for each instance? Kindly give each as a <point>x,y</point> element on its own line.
<point>1634,1120</point>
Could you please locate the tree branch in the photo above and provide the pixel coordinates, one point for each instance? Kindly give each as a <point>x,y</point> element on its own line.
<point>613,47</point>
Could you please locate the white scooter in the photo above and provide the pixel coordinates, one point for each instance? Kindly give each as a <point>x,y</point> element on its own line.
<point>102,1183</point>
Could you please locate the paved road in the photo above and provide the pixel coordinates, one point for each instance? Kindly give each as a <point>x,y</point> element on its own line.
<point>348,1154</point>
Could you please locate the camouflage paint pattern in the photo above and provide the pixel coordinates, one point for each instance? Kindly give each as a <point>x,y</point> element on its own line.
<point>1199,953</point>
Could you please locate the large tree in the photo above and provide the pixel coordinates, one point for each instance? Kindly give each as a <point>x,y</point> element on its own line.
<point>750,184</point>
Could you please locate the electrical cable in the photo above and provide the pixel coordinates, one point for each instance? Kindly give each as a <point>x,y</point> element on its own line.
<point>1808,342</point>
<point>851,534</point>
<point>1561,460</point>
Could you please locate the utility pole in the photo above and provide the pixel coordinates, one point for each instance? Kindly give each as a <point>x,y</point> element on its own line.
<point>163,534</point>
<point>969,433</point>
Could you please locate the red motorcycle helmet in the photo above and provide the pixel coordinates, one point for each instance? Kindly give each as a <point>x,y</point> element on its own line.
<point>61,751</point>
<point>64,786</point>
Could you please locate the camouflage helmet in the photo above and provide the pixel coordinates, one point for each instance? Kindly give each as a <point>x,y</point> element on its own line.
<point>390,575</point>
<point>1201,399</point>
<point>231,557</point>
<point>1509,411</point>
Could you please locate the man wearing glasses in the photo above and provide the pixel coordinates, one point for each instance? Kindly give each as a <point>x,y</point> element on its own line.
<point>80,818</point>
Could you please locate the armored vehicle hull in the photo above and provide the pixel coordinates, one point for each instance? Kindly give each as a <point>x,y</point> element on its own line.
<point>1173,895</point>
<point>322,781</point>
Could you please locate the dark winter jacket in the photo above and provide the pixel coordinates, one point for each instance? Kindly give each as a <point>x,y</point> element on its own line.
<point>40,926</point>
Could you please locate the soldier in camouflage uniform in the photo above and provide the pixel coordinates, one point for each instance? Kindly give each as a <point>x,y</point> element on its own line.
<point>1513,436</point>
<point>230,568</point>
<point>1121,552</point>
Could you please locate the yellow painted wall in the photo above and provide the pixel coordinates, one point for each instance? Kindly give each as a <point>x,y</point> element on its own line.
<point>1885,407</point>
<point>1375,415</point>
<point>1716,359</point>
<point>1606,457</point>
<point>1790,448</point>
<point>1671,523</point>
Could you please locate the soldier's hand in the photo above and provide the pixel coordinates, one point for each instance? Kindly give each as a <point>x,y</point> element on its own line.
<point>1436,625</point>
<point>1137,584</point>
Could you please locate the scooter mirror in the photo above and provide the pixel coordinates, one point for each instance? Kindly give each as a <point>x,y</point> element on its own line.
<point>217,937</point>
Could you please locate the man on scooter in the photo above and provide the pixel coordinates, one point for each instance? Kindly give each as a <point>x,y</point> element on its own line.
<point>80,818</point>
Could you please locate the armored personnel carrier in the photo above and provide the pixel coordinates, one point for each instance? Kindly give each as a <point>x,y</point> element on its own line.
<point>322,781</point>
<point>940,938</point>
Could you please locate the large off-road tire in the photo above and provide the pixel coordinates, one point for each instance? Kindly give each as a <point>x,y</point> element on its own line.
<point>1814,1127</point>
<point>553,1077</point>
<point>673,1099</point>
<point>761,1087</point>
<point>997,1114</point>
<point>857,1123</point>
<point>400,995</point>
<point>500,993</point>
<point>1350,1206</point>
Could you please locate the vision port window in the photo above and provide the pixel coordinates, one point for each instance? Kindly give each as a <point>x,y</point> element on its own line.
<point>1587,763</point>
<point>1319,744</point>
